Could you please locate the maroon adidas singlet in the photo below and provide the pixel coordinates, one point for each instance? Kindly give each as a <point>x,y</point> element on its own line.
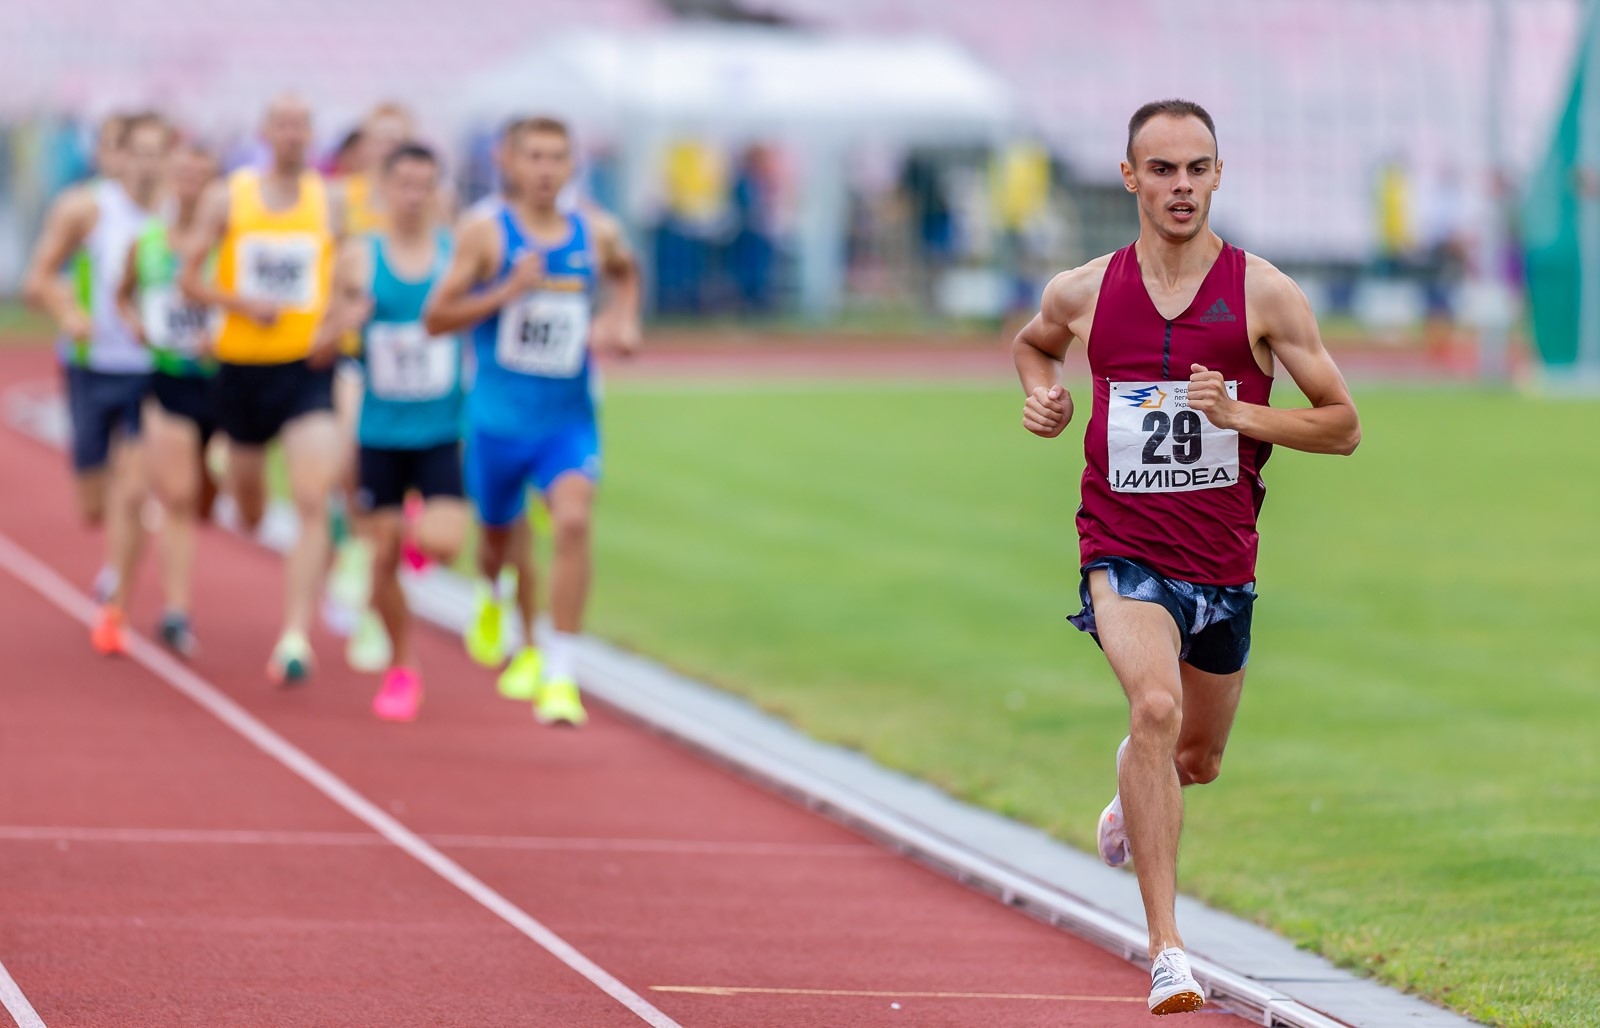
<point>1164,486</point>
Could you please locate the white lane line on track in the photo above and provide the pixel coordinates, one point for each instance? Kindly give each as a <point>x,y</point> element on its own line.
<point>38,576</point>
<point>253,837</point>
<point>16,1003</point>
<point>742,990</point>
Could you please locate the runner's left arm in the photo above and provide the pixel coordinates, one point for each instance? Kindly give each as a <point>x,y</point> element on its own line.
<point>349,302</point>
<point>1288,326</point>
<point>616,328</point>
<point>347,306</point>
<point>128,296</point>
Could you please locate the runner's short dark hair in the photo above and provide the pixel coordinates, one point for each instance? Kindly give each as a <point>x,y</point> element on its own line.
<point>516,128</point>
<point>1173,108</point>
<point>351,140</point>
<point>410,151</point>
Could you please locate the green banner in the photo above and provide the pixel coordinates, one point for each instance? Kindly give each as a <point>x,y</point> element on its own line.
<point>1550,232</point>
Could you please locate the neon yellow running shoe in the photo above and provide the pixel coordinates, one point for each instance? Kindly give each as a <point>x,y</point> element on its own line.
<point>520,680</point>
<point>350,578</point>
<point>559,704</point>
<point>369,648</point>
<point>485,635</point>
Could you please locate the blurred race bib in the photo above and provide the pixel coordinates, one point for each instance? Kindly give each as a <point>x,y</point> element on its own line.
<point>1156,443</point>
<point>280,267</point>
<point>172,324</point>
<point>405,363</point>
<point>544,334</point>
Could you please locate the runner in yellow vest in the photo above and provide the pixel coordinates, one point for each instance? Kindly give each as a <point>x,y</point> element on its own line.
<point>274,231</point>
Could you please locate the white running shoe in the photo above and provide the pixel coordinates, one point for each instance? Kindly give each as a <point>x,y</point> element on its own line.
<point>1173,989</point>
<point>1113,832</point>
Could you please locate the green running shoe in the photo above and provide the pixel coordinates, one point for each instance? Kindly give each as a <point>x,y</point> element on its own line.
<point>520,680</point>
<point>559,704</point>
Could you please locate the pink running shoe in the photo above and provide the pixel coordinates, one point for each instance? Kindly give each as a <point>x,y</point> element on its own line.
<point>400,695</point>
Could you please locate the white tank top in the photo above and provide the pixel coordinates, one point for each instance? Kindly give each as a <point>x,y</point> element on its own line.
<point>96,273</point>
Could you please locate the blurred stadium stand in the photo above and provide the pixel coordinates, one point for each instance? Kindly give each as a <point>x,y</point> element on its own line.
<point>1353,129</point>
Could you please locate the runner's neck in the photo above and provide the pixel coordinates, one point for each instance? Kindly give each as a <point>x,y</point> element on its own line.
<point>410,250</point>
<point>183,217</point>
<point>1172,264</point>
<point>405,235</point>
<point>280,187</point>
<point>144,199</point>
<point>544,222</point>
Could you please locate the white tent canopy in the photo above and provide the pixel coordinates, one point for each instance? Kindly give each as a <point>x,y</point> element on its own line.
<point>823,93</point>
<point>726,79</point>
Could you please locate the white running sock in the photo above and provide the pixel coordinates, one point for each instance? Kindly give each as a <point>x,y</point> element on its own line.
<point>560,657</point>
<point>106,581</point>
<point>505,586</point>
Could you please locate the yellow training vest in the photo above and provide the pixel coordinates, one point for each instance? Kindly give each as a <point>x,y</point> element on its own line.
<point>283,256</point>
<point>361,213</point>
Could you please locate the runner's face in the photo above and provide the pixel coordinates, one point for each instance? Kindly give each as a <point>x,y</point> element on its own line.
<point>408,190</point>
<point>287,133</point>
<point>540,165</point>
<point>192,171</point>
<point>108,149</point>
<point>144,158</point>
<point>381,136</point>
<point>1174,172</point>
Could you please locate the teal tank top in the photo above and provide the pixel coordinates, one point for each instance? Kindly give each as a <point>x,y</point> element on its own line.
<point>413,381</point>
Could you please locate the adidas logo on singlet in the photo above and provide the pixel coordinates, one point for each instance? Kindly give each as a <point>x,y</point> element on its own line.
<point>1219,312</point>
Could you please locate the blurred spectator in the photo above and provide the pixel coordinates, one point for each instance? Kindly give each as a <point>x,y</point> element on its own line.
<point>1446,250</point>
<point>755,220</point>
<point>1020,183</point>
<point>1393,208</point>
<point>696,204</point>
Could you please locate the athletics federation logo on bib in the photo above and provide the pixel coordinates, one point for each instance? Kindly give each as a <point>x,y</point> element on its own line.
<point>1158,444</point>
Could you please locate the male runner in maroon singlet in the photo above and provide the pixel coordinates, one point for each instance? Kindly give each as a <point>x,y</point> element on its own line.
<point>1182,331</point>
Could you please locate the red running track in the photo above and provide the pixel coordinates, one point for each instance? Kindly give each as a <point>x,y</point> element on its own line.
<point>157,868</point>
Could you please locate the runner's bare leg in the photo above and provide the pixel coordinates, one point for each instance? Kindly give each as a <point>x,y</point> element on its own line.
<point>1141,642</point>
<point>571,502</point>
<point>312,448</point>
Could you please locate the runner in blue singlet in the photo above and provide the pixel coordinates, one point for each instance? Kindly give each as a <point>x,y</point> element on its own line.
<point>524,279</point>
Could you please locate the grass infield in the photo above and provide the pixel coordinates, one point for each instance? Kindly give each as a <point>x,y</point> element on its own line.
<point>1413,787</point>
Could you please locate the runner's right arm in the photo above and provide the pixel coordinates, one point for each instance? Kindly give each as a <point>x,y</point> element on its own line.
<point>453,306</point>
<point>1041,346</point>
<point>210,225</point>
<point>68,224</point>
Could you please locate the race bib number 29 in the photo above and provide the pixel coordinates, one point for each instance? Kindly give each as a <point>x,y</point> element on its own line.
<point>1158,444</point>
